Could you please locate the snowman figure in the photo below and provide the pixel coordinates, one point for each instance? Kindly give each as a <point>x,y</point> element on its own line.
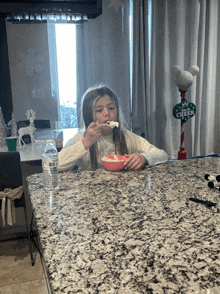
<point>184,79</point>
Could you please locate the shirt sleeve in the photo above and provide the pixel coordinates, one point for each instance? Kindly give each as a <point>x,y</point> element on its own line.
<point>72,153</point>
<point>140,145</point>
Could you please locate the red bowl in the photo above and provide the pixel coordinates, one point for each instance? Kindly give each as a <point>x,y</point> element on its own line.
<point>115,164</point>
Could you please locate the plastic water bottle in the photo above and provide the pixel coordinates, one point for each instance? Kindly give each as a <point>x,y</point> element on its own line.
<point>50,166</point>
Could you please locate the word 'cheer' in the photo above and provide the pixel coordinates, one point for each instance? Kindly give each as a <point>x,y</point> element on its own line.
<point>184,110</point>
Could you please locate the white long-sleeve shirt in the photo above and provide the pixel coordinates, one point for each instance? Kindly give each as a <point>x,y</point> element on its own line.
<point>74,152</point>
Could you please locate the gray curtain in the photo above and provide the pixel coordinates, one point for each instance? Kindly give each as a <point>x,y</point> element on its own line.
<point>103,55</point>
<point>185,33</point>
<point>140,85</point>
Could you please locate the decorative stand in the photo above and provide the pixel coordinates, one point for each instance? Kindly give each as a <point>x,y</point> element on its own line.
<point>182,152</point>
<point>184,110</point>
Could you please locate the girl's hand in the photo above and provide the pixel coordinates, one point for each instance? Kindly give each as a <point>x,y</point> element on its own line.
<point>93,132</point>
<point>135,161</point>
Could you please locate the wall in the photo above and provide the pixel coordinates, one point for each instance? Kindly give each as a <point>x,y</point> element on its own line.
<point>30,71</point>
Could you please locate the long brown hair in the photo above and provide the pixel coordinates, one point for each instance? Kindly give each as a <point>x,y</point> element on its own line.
<point>88,109</point>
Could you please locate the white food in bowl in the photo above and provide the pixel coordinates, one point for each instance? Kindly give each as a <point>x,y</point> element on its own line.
<point>111,160</point>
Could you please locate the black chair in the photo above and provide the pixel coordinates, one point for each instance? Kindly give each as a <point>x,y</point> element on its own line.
<point>40,124</point>
<point>11,177</point>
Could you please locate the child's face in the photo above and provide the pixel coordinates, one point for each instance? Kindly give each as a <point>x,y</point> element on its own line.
<point>105,110</point>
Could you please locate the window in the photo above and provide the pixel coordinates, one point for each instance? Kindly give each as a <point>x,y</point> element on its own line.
<point>66,64</point>
<point>62,40</point>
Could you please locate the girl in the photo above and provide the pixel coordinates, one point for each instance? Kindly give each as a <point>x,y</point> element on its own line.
<point>85,149</point>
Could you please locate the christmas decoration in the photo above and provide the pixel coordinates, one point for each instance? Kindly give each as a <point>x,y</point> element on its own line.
<point>14,129</point>
<point>3,143</point>
<point>27,130</point>
<point>184,79</point>
<point>184,110</point>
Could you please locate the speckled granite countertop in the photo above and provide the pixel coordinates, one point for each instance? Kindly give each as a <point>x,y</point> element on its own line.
<point>131,232</point>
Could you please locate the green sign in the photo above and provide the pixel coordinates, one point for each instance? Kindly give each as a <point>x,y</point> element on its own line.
<point>184,110</point>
